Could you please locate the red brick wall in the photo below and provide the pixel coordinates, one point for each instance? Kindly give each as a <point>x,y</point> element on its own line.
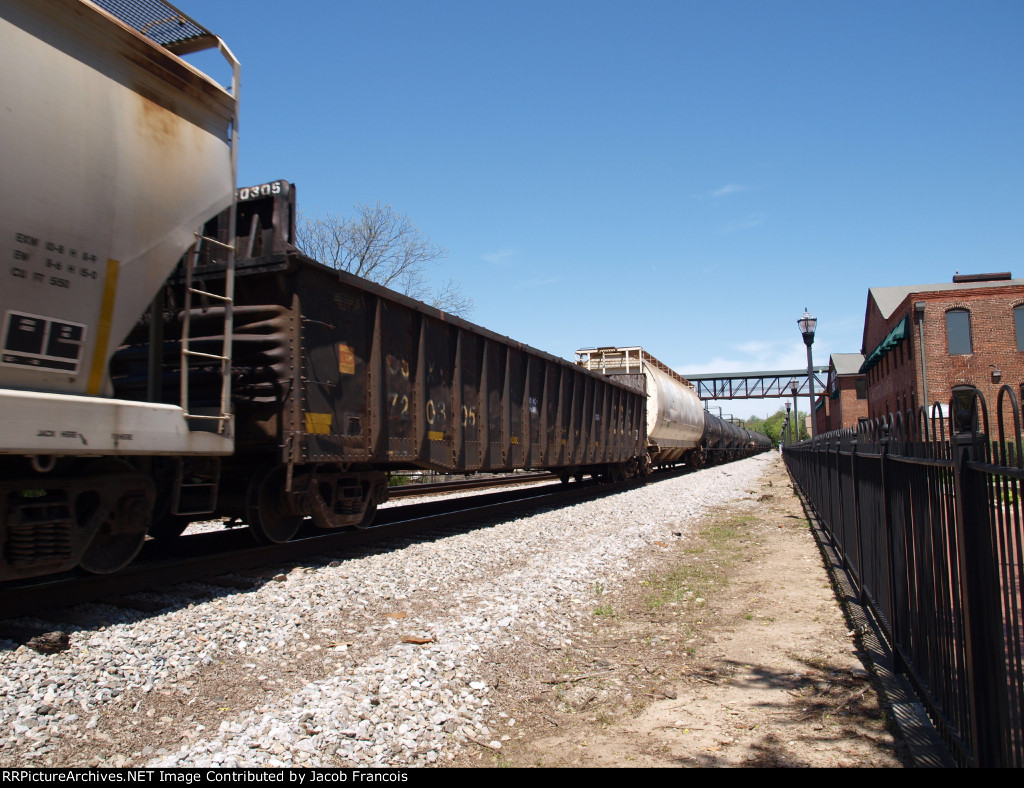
<point>822,415</point>
<point>896,381</point>
<point>850,409</point>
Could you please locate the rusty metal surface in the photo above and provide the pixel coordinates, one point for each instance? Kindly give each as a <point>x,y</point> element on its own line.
<point>371,378</point>
<point>389,380</point>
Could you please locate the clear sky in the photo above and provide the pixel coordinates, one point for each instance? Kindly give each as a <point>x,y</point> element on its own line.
<point>682,175</point>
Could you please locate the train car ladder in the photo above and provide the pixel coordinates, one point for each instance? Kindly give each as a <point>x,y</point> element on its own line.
<point>227,299</point>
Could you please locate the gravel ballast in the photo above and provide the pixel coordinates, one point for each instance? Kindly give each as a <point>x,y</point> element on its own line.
<point>380,660</point>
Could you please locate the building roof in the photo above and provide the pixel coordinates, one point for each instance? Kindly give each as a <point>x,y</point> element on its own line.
<point>888,298</point>
<point>847,363</point>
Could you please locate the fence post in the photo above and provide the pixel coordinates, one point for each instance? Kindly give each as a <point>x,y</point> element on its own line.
<point>855,495</point>
<point>883,473</point>
<point>899,665</point>
<point>984,652</point>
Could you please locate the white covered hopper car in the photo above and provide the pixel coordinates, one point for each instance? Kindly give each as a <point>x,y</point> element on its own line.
<point>115,153</point>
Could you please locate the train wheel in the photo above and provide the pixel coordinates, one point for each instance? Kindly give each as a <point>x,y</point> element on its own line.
<point>123,524</point>
<point>269,517</point>
<point>369,514</point>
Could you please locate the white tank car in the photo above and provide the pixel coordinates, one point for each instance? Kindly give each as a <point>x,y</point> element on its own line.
<point>675,417</point>
<point>115,152</point>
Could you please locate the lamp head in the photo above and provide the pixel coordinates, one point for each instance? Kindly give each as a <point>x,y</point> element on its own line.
<point>808,323</point>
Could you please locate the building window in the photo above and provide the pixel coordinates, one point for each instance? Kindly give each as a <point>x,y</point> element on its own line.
<point>958,332</point>
<point>862,388</point>
<point>1018,320</point>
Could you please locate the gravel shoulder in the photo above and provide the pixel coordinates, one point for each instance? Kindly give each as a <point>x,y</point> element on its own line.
<point>689,622</point>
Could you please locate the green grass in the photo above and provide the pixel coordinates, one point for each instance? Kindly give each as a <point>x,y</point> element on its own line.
<point>685,582</point>
<point>697,576</point>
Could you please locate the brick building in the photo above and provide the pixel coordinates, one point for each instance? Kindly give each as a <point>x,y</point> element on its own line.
<point>845,399</point>
<point>972,333</point>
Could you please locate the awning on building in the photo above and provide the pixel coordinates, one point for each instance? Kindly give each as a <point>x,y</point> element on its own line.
<point>897,335</point>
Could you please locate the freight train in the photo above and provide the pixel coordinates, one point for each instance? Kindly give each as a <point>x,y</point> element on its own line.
<point>168,354</point>
<point>678,429</point>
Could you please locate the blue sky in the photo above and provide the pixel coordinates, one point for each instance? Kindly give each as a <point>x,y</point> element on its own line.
<point>686,176</point>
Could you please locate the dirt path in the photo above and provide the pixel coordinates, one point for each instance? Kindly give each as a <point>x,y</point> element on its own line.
<point>733,653</point>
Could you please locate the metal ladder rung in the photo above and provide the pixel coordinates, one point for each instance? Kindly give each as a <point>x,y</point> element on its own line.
<point>215,242</point>
<point>209,295</point>
<point>197,354</point>
<point>227,298</point>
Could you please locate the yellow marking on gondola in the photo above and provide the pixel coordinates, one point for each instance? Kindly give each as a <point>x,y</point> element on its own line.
<point>434,435</point>
<point>346,359</point>
<point>319,423</point>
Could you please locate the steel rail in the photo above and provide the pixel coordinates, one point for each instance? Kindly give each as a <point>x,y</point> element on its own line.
<point>435,488</point>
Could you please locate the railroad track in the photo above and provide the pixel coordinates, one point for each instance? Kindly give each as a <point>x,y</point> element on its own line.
<point>213,557</point>
<point>434,488</point>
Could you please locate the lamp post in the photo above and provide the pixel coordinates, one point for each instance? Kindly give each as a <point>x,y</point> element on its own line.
<point>789,427</point>
<point>807,325</point>
<point>793,428</point>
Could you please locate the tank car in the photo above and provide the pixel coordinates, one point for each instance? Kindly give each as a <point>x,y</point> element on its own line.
<point>679,430</point>
<point>116,152</point>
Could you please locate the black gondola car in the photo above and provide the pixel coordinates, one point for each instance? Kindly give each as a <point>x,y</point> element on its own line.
<point>336,381</point>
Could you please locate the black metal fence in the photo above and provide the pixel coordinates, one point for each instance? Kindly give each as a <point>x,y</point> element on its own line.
<point>926,512</point>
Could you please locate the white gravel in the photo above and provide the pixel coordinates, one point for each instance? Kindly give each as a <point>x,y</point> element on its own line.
<point>367,698</point>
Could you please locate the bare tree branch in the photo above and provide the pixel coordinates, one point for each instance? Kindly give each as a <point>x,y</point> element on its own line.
<point>384,246</point>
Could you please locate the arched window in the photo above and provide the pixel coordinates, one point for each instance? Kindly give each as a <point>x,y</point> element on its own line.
<point>1018,322</point>
<point>958,332</point>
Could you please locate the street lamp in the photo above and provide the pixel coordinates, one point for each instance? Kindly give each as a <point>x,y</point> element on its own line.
<point>789,427</point>
<point>807,325</point>
<point>793,428</point>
